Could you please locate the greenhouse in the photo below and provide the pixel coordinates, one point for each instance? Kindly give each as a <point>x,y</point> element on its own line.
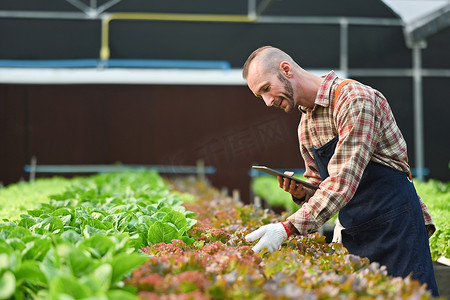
<point>129,135</point>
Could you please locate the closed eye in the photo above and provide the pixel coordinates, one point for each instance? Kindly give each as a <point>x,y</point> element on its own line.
<point>262,90</point>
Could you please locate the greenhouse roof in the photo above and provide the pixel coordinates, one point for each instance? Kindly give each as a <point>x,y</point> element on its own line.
<point>423,18</point>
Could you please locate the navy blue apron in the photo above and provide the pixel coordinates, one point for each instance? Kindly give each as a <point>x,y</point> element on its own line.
<point>384,221</point>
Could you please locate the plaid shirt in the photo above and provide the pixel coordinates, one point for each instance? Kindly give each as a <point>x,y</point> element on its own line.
<point>367,131</point>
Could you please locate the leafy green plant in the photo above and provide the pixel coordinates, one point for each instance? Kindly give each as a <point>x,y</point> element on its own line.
<point>16,199</point>
<point>49,266</point>
<point>267,188</point>
<point>136,203</point>
<point>84,241</point>
<point>436,196</point>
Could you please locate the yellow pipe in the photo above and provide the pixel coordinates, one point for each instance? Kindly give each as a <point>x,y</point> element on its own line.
<point>104,51</point>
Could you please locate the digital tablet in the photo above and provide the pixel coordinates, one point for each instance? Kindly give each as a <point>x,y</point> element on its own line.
<point>276,173</point>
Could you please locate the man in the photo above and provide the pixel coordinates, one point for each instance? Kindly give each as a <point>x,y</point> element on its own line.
<point>353,149</point>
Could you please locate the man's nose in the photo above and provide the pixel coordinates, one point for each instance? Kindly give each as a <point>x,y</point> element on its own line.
<point>268,100</point>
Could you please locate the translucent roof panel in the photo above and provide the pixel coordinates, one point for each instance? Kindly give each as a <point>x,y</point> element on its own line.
<point>422,19</point>
<point>410,10</point>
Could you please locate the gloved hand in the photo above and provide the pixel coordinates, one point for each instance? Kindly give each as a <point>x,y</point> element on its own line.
<point>272,236</point>
<point>337,234</point>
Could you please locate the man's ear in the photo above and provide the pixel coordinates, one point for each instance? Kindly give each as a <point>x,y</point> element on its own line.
<point>286,69</point>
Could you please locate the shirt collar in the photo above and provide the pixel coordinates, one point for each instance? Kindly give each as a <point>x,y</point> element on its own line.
<point>323,94</point>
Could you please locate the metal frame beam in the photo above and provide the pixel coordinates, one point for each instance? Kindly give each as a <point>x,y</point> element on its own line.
<point>91,10</point>
<point>419,141</point>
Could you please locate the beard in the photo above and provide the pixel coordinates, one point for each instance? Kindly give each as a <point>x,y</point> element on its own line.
<point>288,94</point>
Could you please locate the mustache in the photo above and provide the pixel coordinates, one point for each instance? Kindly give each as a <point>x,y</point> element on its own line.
<point>278,102</point>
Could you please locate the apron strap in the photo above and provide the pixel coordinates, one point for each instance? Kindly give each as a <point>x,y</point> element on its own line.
<point>336,96</point>
<point>340,86</point>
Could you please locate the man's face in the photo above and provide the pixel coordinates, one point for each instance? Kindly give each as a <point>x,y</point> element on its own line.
<point>275,89</point>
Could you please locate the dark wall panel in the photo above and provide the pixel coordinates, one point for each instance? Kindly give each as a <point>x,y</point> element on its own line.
<point>47,5</point>
<point>436,53</point>
<point>172,125</point>
<point>181,6</point>
<point>347,8</point>
<point>49,39</point>
<point>13,132</point>
<point>223,41</point>
<point>437,125</point>
<point>67,124</point>
<point>378,47</point>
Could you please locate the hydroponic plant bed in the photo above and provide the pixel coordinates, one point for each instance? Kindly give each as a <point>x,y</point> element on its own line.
<point>84,241</point>
<point>130,236</point>
<point>221,264</point>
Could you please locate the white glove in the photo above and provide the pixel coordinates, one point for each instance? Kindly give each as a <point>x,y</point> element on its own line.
<point>272,236</point>
<point>337,234</point>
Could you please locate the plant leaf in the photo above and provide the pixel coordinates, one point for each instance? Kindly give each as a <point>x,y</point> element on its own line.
<point>177,219</point>
<point>161,232</point>
<point>7,285</point>
<point>120,294</point>
<point>68,285</point>
<point>123,263</point>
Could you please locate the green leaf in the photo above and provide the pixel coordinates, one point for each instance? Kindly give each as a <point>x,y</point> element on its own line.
<point>68,285</point>
<point>50,265</point>
<point>123,264</point>
<point>97,224</point>
<point>161,232</point>
<point>80,263</point>
<point>66,220</point>
<point>7,285</point>
<point>99,280</point>
<point>5,261</point>
<point>190,214</point>
<point>5,248</point>
<point>104,275</point>
<point>98,245</point>
<point>187,240</point>
<point>51,224</point>
<point>165,207</point>
<point>71,236</point>
<point>177,219</point>
<point>36,249</point>
<point>35,212</point>
<point>124,222</point>
<point>19,232</point>
<point>191,222</point>
<point>16,243</point>
<point>120,294</point>
<point>30,273</point>
<point>61,212</point>
<point>27,222</point>
<point>158,216</point>
<point>89,231</point>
